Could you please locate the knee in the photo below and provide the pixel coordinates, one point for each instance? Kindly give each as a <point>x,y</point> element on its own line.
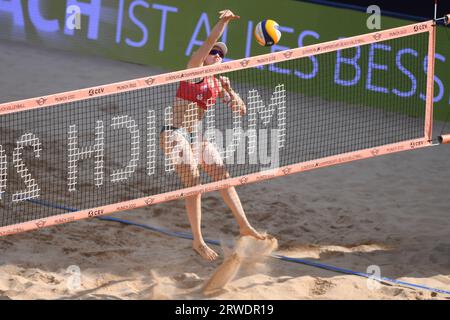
<point>193,199</point>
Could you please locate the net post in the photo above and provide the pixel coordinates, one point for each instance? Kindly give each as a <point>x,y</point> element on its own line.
<point>430,83</point>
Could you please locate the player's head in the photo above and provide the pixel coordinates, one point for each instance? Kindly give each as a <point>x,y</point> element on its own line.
<point>217,53</point>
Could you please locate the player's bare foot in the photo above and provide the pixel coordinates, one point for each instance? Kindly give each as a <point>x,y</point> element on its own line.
<point>249,231</point>
<point>204,251</point>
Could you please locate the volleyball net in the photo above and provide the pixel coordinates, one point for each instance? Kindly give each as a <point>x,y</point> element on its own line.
<point>100,150</point>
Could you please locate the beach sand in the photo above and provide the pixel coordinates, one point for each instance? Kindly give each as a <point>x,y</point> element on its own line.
<point>391,212</point>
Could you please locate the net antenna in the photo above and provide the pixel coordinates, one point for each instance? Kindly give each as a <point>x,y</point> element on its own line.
<point>435,9</point>
<point>442,138</point>
<point>445,19</point>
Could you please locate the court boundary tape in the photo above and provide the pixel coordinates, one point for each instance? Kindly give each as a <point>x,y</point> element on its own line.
<point>186,235</point>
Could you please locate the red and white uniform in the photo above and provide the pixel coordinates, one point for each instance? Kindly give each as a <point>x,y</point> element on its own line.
<point>199,92</point>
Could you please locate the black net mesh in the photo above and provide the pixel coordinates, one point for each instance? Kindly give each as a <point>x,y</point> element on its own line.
<point>106,150</point>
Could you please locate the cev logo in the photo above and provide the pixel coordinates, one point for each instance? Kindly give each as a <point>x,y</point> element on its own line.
<point>96,91</point>
<point>420,27</point>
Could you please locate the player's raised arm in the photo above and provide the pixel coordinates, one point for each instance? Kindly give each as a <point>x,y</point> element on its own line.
<point>200,55</point>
